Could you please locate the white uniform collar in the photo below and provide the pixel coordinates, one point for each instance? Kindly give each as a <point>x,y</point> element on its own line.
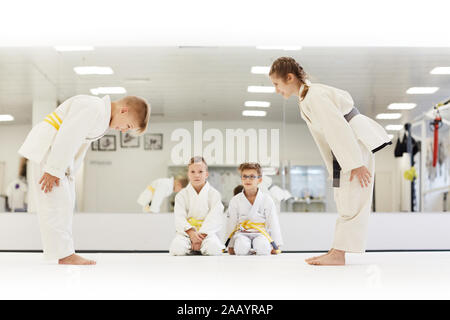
<point>204,190</point>
<point>107,101</point>
<point>258,195</point>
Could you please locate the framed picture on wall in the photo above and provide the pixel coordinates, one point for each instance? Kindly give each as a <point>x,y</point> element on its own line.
<point>153,141</point>
<point>129,141</point>
<point>94,145</point>
<point>107,143</point>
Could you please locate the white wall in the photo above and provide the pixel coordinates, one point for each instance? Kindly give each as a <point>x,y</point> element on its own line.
<point>301,232</point>
<point>388,175</point>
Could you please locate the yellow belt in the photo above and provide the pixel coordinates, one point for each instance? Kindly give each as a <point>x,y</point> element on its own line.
<point>257,226</point>
<point>54,120</point>
<point>195,223</point>
<point>152,190</point>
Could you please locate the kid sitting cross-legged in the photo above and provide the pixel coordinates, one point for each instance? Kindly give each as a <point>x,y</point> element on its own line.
<point>198,214</point>
<point>253,223</point>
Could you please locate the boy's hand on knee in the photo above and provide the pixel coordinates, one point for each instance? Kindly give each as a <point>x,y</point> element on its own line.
<point>48,181</point>
<point>196,239</point>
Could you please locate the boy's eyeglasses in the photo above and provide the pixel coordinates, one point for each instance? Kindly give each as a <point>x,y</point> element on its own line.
<point>252,177</point>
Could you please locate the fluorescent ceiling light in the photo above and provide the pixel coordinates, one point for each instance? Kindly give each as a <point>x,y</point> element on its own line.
<point>401,106</point>
<point>93,70</point>
<point>254,113</point>
<point>108,90</point>
<point>394,127</point>
<point>260,70</point>
<point>265,89</point>
<point>422,90</point>
<point>73,48</point>
<point>262,104</point>
<point>285,48</point>
<point>389,116</point>
<point>6,117</point>
<point>440,70</point>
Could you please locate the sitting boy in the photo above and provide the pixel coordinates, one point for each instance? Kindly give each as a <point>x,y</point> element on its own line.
<point>253,223</point>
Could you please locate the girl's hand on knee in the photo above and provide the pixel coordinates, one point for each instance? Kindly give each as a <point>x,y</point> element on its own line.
<point>363,175</point>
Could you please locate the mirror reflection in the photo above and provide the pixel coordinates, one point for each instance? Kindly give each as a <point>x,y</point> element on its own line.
<point>220,103</point>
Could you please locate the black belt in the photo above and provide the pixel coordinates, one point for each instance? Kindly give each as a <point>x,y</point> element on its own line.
<point>336,166</point>
<point>336,172</point>
<point>349,116</point>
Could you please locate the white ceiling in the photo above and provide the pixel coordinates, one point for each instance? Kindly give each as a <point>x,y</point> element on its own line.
<point>225,23</point>
<point>210,83</point>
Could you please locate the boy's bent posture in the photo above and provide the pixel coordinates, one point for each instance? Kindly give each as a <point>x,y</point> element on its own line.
<point>153,196</point>
<point>56,148</point>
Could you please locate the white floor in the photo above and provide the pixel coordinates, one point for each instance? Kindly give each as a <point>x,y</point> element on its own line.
<point>392,275</point>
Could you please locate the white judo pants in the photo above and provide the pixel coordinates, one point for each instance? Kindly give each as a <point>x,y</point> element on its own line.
<point>244,242</point>
<point>211,245</point>
<point>55,213</point>
<point>354,206</point>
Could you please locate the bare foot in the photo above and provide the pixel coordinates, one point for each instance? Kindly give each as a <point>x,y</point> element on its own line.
<point>75,259</point>
<point>333,258</point>
<point>316,257</point>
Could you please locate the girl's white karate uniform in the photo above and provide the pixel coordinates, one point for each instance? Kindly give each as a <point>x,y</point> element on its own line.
<point>353,144</point>
<point>264,211</point>
<point>156,192</point>
<point>60,152</point>
<point>207,206</point>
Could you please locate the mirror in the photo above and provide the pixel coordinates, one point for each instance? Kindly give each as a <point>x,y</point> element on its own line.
<point>198,96</point>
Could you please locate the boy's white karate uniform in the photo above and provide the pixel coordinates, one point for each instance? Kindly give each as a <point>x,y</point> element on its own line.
<point>264,211</point>
<point>156,192</point>
<point>274,191</point>
<point>206,206</point>
<point>59,150</point>
<point>352,143</point>
<point>17,194</point>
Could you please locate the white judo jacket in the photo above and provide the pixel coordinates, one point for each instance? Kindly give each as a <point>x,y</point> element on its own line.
<point>83,119</point>
<point>17,194</point>
<point>263,210</point>
<point>156,192</point>
<point>206,205</point>
<point>323,109</point>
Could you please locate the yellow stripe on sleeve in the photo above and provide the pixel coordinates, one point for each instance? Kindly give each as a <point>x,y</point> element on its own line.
<point>57,117</point>
<point>49,119</point>
<point>52,123</point>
